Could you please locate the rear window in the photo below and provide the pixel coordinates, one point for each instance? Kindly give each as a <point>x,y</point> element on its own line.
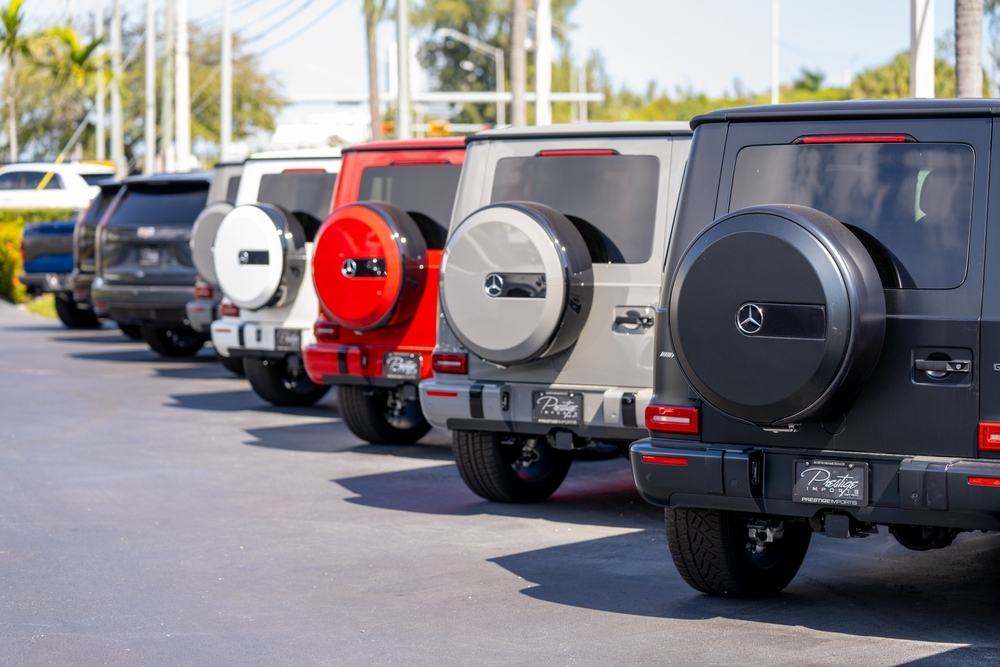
<point>100,205</point>
<point>232,188</point>
<point>304,191</point>
<point>425,189</point>
<point>145,208</point>
<point>614,194</point>
<point>915,199</point>
<point>97,179</point>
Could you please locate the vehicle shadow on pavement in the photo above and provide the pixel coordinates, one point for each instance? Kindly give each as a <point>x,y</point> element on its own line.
<point>246,399</point>
<point>876,588</point>
<point>198,372</point>
<point>594,493</point>
<point>144,355</point>
<point>98,337</point>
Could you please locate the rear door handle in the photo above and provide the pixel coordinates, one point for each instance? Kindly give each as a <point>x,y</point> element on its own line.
<point>944,365</point>
<point>634,319</point>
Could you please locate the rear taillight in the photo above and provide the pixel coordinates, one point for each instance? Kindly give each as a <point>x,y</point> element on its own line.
<point>450,363</point>
<point>989,437</point>
<point>229,310</point>
<point>665,460</point>
<point>326,331</point>
<point>578,152</point>
<point>672,419</point>
<point>203,292</point>
<point>854,139</point>
<point>984,481</point>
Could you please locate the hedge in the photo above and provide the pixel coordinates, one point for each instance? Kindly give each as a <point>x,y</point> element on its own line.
<point>12,222</point>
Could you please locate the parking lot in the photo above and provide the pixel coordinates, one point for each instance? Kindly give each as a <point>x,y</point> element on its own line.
<point>156,512</point>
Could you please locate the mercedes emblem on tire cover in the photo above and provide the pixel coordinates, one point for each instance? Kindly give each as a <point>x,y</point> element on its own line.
<point>350,268</point>
<point>494,285</point>
<point>749,319</point>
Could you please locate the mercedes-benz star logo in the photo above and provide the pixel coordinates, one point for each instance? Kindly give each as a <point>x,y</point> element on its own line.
<point>349,268</point>
<point>749,318</point>
<point>244,257</point>
<point>494,285</point>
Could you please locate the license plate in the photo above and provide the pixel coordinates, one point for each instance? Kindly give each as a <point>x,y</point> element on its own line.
<point>839,483</point>
<point>149,256</point>
<point>556,407</point>
<point>401,365</point>
<point>287,339</point>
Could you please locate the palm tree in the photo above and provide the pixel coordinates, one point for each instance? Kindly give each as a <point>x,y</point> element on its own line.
<point>968,48</point>
<point>14,42</point>
<point>373,10</point>
<point>71,58</point>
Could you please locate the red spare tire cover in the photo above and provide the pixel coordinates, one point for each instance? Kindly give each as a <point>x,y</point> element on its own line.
<point>369,266</point>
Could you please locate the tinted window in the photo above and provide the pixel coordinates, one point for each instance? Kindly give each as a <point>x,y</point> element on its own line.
<point>916,199</point>
<point>144,208</point>
<point>99,206</point>
<point>28,180</point>
<point>615,194</point>
<point>309,192</point>
<point>426,189</point>
<point>97,179</point>
<point>232,188</point>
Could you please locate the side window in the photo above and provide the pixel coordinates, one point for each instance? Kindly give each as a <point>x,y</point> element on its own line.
<point>28,180</point>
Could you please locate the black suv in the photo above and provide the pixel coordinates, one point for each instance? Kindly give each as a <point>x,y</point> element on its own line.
<point>826,359</point>
<point>144,272</point>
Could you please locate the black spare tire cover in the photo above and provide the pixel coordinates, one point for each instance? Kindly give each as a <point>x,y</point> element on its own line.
<point>516,282</point>
<point>777,314</point>
<point>203,239</point>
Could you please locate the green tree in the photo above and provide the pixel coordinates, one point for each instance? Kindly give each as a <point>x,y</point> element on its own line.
<point>15,43</point>
<point>891,81</point>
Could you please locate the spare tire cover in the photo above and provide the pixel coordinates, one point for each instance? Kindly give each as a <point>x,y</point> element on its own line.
<point>777,314</point>
<point>259,255</point>
<point>370,265</point>
<point>516,282</point>
<point>203,238</point>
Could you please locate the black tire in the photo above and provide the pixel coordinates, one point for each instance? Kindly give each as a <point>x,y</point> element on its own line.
<point>232,364</point>
<point>133,331</point>
<point>173,341</point>
<point>273,381</point>
<point>710,551</point>
<point>73,317</point>
<point>381,416</point>
<point>509,473</point>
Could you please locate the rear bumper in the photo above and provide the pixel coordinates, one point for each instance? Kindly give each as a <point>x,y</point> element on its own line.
<point>609,413</point>
<point>927,491</point>
<point>233,337</point>
<point>48,282</point>
<point>334,364</point>
<point>147,304</point>
<point>201,313</point>
<point>80,283</point>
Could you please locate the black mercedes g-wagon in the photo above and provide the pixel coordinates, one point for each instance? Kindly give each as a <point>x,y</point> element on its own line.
<point>828,344</point>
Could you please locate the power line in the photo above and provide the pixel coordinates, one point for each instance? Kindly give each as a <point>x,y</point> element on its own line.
<point>303,30</point>
<point>292,14</point>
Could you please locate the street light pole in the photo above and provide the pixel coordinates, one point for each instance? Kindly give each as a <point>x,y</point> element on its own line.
<point>183,92</point>
<point>403,69</point>
<point>99,137</point>
<point>117,130</point>
<point>149,160</point>
<point>543,62</point>
<point>489,51</point>
<point>775,52</point>
<point>226,104</point>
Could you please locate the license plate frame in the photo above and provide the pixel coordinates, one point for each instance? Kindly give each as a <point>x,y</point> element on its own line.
<point>557,407</point>
<point>831,483</point>
<point>402,366</point>
<point>288,340</point>
<point>150,256</point>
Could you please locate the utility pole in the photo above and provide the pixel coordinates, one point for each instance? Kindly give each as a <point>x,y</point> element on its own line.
<point>543,62</point>
<point>183,92</point>
<point>518,62</point>
<point>775,52</point>
<point>968,48</point>
<point>117,129</point>
<point>403,54</point>
<point>148,162</point>
<point>226,104</point>
<point>169,161</point>
<point>921,48</point>
<point>99,138</point>
<point>583,89</point>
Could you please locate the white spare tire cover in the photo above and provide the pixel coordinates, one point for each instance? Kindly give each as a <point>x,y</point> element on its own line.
<point>203,238</point>
<point>260,256</point>
<point>516,282</point>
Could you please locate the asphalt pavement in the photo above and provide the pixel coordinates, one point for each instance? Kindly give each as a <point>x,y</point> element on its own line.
<point>156,512</point>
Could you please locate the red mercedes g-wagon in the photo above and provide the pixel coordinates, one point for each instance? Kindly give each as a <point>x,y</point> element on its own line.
<point>376,273</point>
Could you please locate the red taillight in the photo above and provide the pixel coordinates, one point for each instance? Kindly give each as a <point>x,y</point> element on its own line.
<point>854,139</point>
<point>665,460</point>
<point>450,363</point>
<point>304,170</point>
<point>418,162</point>
<point>442,394</point>
<point>989,437</point>
<point>203,292</point>
<point>325,331</point>
<point>671,419</point>
<point>984,481</point>
<point>577,152</point>
<point>229,310</point>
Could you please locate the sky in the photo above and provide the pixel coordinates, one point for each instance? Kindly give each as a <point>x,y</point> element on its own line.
<point>314,47</point>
